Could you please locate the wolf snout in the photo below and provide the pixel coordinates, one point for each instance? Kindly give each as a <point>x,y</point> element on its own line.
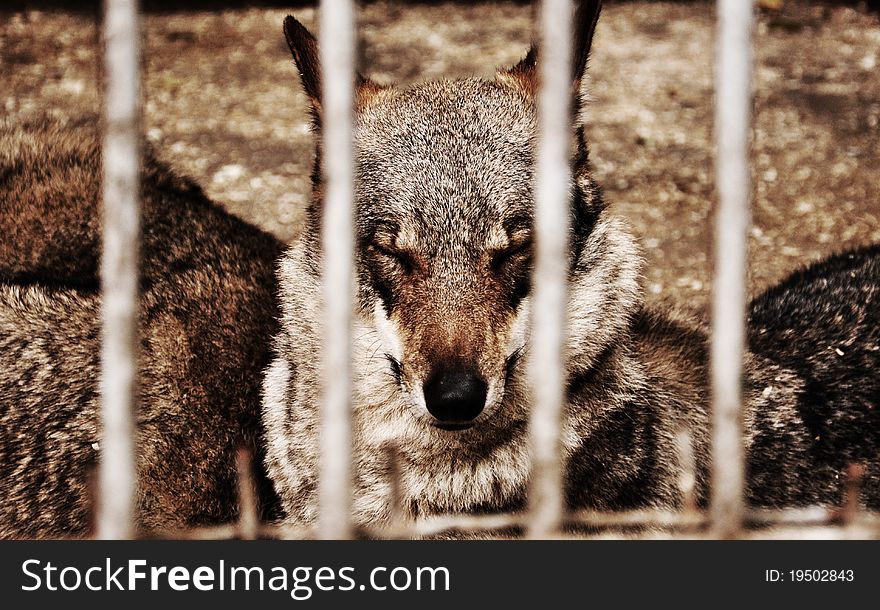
<point>455,396</point>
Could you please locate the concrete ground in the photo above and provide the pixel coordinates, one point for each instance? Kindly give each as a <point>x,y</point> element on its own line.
<point>223,104</point>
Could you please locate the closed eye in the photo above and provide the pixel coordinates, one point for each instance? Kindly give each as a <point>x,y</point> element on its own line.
<point>520,250</point>
<point>403,259</point>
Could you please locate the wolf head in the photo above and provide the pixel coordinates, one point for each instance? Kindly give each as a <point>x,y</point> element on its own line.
<point>444,224</point>
<point>444,229</point>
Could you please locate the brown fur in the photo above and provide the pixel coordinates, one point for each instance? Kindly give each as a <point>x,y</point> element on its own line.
<point>207,311</point>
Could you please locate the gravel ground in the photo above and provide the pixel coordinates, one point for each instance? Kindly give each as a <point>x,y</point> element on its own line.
<point>223,104</point>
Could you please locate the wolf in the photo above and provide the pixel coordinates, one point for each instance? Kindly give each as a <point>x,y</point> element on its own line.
<point>444,245</point>
<point>207,311</point>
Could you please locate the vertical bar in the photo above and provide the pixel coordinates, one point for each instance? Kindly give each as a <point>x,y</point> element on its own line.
<point>732,104</point>
<point>399,527</point>
<point>121,164</point>
<point>552,195</point>
<point>337,30</point>
<point>248,508</point>
<point>687,478</point>
<point>855,475</point>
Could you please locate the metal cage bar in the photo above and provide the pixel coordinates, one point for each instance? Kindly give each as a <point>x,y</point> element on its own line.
<point>549,294</point>
<point>733,72</point>
<point>337,48</point>
<point>119,273</point>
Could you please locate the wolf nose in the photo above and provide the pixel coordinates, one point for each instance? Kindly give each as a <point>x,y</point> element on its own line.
<point>455,395</point>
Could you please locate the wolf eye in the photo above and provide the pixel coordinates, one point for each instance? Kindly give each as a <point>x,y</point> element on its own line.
<point>520,250</point>
<point>398,257</point>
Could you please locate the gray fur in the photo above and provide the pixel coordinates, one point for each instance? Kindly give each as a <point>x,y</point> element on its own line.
<point>443,185</point>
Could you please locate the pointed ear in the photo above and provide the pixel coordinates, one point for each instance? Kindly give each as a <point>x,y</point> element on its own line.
<point>586,16</point>
<point>304,47</point>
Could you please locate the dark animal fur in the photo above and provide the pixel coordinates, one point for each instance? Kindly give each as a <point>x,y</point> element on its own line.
<point>823,323</point>
<point>207,311</point>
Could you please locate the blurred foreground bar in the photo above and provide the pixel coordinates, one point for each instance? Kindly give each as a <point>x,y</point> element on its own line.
<point>337,48</point>
<point>733,95</point>
<point>549,294</point>
<point>119,273</point>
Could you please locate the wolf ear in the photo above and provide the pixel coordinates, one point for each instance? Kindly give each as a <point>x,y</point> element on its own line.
<point>585,18</point>
<point>304,47</point>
